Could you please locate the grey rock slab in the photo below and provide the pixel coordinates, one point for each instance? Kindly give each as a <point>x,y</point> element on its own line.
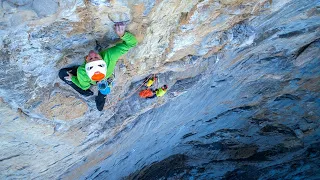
<point>119,17</point>
<point>20,2</point>
<point>308,53</point>
<point>22,17</point>
<point>100,2</point>
<point>251,103</point>
<point>45,7</point>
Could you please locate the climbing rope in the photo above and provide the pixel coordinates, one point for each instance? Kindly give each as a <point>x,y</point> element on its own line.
<point>120,99</point>
<point>156,82</point>
<point>156,85</point>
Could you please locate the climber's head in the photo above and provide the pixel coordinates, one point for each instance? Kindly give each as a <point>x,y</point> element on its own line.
<point>164,87</point>
<point>96,68</point>
<point>93,56</point>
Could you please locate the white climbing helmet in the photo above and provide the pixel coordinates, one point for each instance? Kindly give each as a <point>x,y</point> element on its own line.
<point>96,70</point>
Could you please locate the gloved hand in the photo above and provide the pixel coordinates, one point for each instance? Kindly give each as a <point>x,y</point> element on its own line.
<point>120,29</point>
<point>68,78</point>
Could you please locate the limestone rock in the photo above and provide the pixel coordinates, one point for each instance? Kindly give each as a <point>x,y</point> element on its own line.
<point>312,51</point>
<point>22,17</point>
<point>243,97</point>
<point>119,17</point>
<point>63,107</point>
<point>20,2</point>
<point>45,7</point>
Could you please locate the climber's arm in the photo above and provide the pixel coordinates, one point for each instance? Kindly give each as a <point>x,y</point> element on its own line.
<point>114,53</point>
<point>129,41</point>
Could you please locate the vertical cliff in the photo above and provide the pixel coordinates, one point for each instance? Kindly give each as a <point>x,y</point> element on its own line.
<point>243,99</point>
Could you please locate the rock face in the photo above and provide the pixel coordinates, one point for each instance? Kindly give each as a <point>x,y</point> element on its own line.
<point>62,107</point>
<point>243,99</point>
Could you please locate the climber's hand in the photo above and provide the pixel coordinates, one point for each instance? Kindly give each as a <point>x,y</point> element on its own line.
<point>120,28</point>
<point>68,78</point>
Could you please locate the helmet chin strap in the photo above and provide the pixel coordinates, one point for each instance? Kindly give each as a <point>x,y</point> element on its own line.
<point>96,70</point>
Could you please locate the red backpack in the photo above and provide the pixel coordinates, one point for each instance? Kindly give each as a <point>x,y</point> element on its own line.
<point>146,93</point>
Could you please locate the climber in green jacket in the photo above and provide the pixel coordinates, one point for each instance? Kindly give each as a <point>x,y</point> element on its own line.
<point>98,66</point>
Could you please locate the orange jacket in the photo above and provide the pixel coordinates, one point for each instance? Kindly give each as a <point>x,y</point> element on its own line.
<point>146,93</point>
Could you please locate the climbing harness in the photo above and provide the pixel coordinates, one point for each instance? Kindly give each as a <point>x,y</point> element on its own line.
<point>104,86</point>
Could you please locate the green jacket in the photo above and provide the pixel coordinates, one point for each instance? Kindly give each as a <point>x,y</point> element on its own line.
<point>110,56</point>
<point>160,92</point>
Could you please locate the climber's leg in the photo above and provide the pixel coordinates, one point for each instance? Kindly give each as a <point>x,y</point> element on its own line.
<point>100,100</point>
<point>73,70</point>
<point>151,97</point>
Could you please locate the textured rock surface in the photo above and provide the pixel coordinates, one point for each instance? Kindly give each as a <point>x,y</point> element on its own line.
<point>243,100</point>
<point>63,107</point>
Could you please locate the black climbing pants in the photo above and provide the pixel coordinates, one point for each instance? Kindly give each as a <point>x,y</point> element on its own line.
<point>100,101</point>
<point>73,70</point>
<point>153,96</point>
